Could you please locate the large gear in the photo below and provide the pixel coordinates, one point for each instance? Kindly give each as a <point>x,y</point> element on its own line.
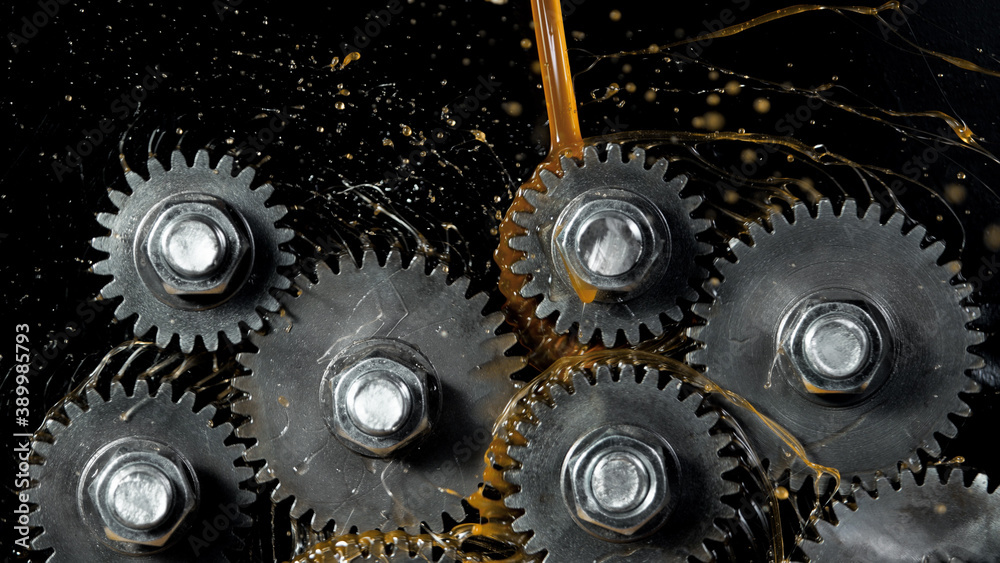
<point>845,332</point>
<point>935,522</point>
<point>601,414</point>
<point>425,357</point>
<point>216,259</point>
<point>118,461</point>
<point>615,232</point>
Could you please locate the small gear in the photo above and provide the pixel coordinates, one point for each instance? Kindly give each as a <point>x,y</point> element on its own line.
<point>374,406</point>
<point>193,251</point>
<point>376,547</point>
<point>845,332</point>
<point>610,246</point>
<point>138,477</point>
<point>617,467</point>
<point>942,520</point>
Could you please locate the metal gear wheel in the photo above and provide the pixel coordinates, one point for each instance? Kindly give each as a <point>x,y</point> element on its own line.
<point>193,251</point>
<point>586,486</point>
<point>935,522</point>
<point>148,479</point>
<point>374,404</point>
<point>845,332</point>
<point>616,232</point>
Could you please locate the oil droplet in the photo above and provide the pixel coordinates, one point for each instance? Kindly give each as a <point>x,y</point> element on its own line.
<point>526,43</point>
<point>791,158</point>
<point>940,509</point>
<point>480,136</point>
<point>733,87</point>
<point>748,156</point>
<point>320,129</point>
<point>339,105</point>
<point>615,15</point>
<point>69,98</point>
<point>713,75</point>
<point>283,401</point>
<point>991,237</point>
<point>713,99</point>
<point>961,175</point>
<point>762,105</point>
<point>650,95</point>
<point>513,109</point>
<point>954,193</point>
<point>781,493</point>
<point>714,121</point>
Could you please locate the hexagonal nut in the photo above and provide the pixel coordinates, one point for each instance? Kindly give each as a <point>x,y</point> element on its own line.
<point>230,227</point>
<point>639,214</point>
<point>157,534</point>
<point>651,497</point>
<point>382,401</point>
<point>850,315</point>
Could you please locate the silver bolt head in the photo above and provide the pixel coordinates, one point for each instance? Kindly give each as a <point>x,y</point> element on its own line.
<point>612,241</point>
<point>835,347</point>
<point>619,482</point>
<point>142,497</point>
<point>381,402</point>
<point>197,245</point>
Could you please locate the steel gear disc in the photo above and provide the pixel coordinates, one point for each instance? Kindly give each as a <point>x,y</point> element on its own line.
<point>70,460</point>
<point>204,317</point>
<point>841,262</point>
<point>935,522</point>
<point>554,431</point>
<point>671,270</point>
<point>290,412</point>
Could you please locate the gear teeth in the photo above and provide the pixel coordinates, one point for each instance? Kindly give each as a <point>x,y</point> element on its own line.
<point>850,209</point>
<point>156,169</point>
<point>226,165</point>
<point>107,220</point>
<point>590,155</point>
<point>824,209</point>
<point>245,177</point>
<point>92,397</point>
<point>264,191</point>
<point>895,222</point>
<point>211,340</point>
<point>135,181</point>
<point>534,196</point>
<point>919,232</point>
<point>103,244</point>
<point>285,235</point>
<point>102,268</point>
<point>118,199</point>
<point>935,250</point>
<point>615,153</point>
<point>201,159</point>
<point>177,161</point>
<point>73,410</point>
<point>369,258</point>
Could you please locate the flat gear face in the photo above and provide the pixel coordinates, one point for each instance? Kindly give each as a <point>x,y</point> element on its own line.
<point>928,341</point>
<point>156,418</point>
<point>675,267</point>
<point>287,412</point>
<point>603,401</point>
<point>933,522</point>
<point>238,309</point>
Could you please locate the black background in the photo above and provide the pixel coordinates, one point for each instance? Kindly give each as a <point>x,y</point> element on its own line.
<point>230,69</point>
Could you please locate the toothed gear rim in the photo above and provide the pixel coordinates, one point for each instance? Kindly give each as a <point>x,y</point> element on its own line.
<point>676,267</point>
<point>621,401</point>
<point>905,405</point>
<point>917,523</point>
<point>241,307</point>
<point>288,373</point>
<point>156,418</point>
